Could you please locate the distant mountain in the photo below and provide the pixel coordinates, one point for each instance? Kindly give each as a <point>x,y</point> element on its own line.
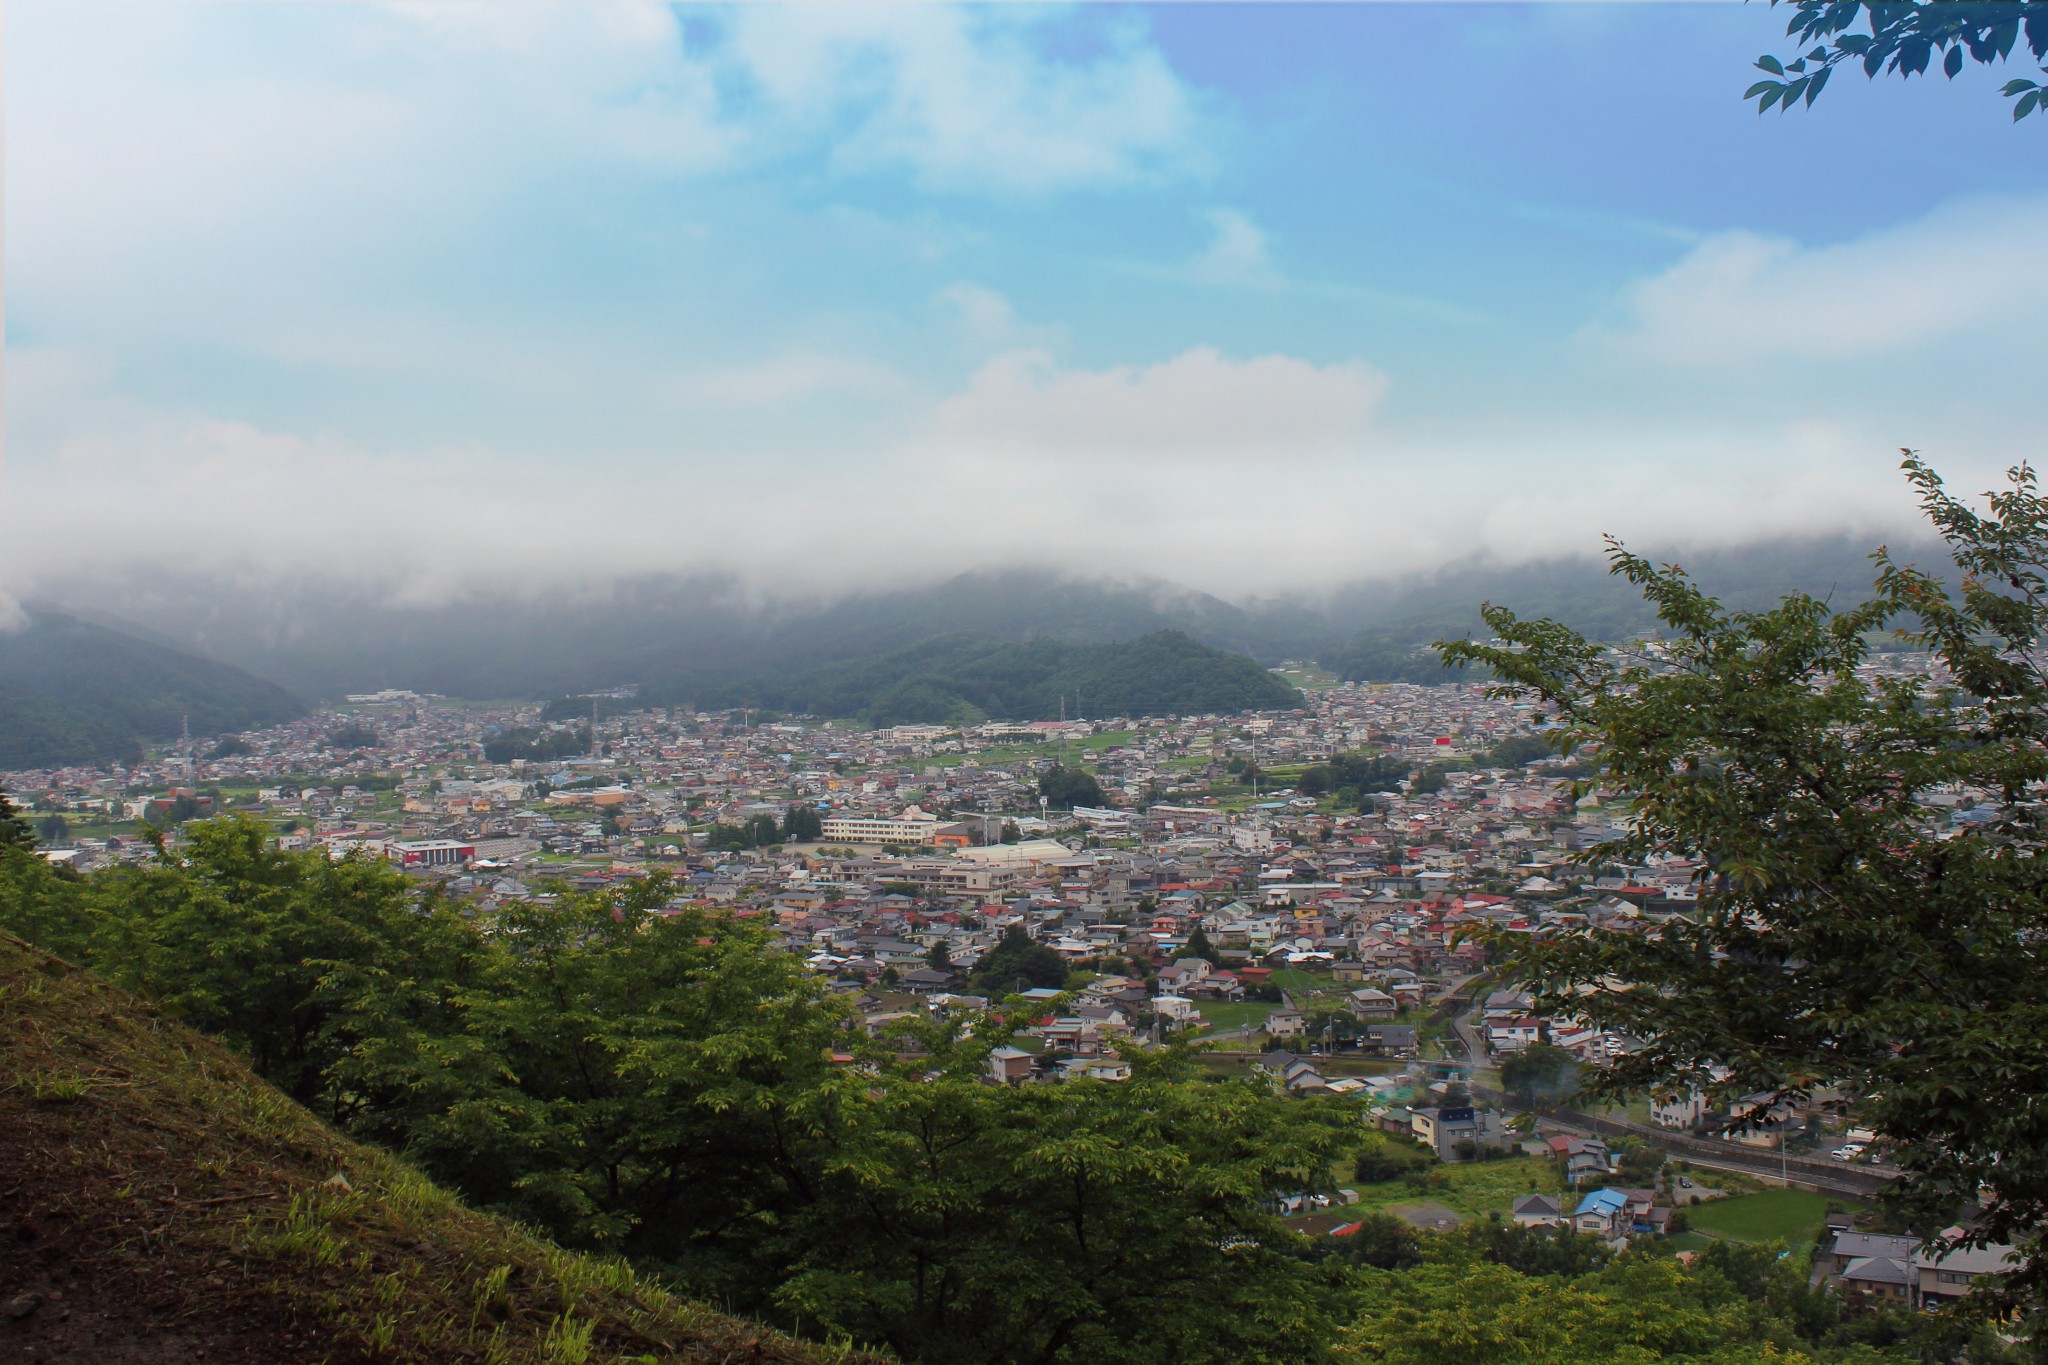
<point>694,632</point>
<point>1384,629</point>
<point>75,692</point>
<point>967,678</point>
<point>699,635</point>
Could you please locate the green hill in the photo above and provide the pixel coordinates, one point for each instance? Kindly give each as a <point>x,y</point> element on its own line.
<point>165,1204</point>
<point>966,678</point>
<point>75,692</point>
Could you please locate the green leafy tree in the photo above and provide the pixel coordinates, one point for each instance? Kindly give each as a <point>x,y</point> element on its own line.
<point>1387,1158</point>
<point>15,830</point>
<point>803,824</point>
<point>352,737</point>
<point>1016,963</point>
<point>1458,1312</point>
<point>1042,1225</point>
<point>1541,1073</point>
<point>1535,1250</point>
<point>1199,946</point>
<point>53,829</point>
<point>42,903</point>
<point>644,1083</point>
<point>1848,933</point>
<point>1384,1242</point>
<point>1903,39</point>
<point>294,959</point>
<point>1070,787</point>
<point>1518,751</point>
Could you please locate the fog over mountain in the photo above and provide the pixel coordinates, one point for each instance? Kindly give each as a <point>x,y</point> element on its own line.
<point>675,633</point>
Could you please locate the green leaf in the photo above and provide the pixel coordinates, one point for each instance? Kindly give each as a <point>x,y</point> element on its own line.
<point>1762,86</point>
<point>1770,64</point>
<point>1953,63</point>
<point>2029,102</point>
<point>2014,87</point>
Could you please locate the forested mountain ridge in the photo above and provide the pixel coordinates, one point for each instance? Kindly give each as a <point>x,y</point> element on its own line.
<point>705,633</point>
<point>75,692</point>
<point>967,678</point>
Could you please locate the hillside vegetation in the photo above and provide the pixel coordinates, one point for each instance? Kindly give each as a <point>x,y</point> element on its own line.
<point>642,1077</point>
<point>75,692</point>
<point>163,1203</point>
<point>967,678</point>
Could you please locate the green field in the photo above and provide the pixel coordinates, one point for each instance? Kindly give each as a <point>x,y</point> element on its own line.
<point>1790,1215</point>
<point>1295,979</point>
<point>1473,1188</point>
<point>1232,1014</point>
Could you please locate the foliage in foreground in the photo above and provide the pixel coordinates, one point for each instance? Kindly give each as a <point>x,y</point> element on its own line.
<point>669,1087</point>
<point>1847,934</point>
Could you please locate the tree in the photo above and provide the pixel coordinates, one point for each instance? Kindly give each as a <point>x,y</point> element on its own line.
<point>939,957</point>
<point>1540,1074</point>
<point>53,829</point>
<point>1199,946</point>
<point>1518,751</point>
<point>296,960</point>
<point>1016,963</point>
<point>1536,1250</point>
<point>1011,834</point>
<point>1383,1241</point>
<point>1462,1312</point>
<point>15,830</point>
<point>1903,39</point>
<point>352,737</point>
<point>1086,1223</point>
<point>1386,1158</point>
<point>802,824</point>
<point>1848,932</point>
<point>1070,787</point>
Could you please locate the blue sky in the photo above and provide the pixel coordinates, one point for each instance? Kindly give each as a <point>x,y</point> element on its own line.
<point>1253,297</point>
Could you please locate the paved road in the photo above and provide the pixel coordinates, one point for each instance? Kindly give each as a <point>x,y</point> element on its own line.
<point>1828,1177</point>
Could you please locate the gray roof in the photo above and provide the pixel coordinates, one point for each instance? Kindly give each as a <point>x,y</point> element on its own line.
<point>1856,1244</point>
<point>1878,1270</point>
<point>1995,1259</point>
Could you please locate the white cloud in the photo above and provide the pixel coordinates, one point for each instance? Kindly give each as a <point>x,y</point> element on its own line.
<point>969,97</point>
<point>1236,255</point>
<point>1740,298</point>
<point>988,322</point>
<point>798,377</point>
<point>1200,405</point>
<point>1233,476</point>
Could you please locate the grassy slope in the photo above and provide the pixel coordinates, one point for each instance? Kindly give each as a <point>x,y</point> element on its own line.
<point>160,1202</point>
<point>1474,1188</point>
<point>1789,1214</point>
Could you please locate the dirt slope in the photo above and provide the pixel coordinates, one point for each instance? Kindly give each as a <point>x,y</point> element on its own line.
<point>159,1203</point>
